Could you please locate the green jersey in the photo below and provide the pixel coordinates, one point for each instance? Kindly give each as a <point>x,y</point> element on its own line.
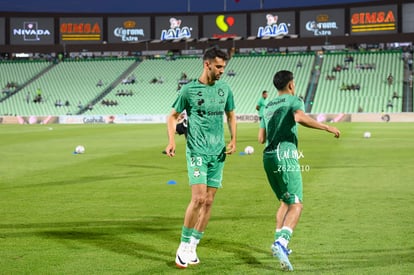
<point>279,121</point>
<point>262,104</point>
<point>205,106</point>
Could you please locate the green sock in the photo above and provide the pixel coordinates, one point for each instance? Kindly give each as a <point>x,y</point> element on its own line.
<point>186,234</point>
<point>286,233</point>
<point>277,233</point>
<point>197,235</point>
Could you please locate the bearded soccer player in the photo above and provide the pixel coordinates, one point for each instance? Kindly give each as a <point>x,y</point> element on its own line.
<point>206,100</point>
<point>280,158</point>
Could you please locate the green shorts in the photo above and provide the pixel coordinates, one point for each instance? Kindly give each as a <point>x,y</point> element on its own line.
<point>284,176</point>
<point>205,169</point>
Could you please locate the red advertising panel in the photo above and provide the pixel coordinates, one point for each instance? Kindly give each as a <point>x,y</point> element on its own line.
<point>176,27</point>
<point>80,30</point>
<point>408,17</point>
<point>31,31</point>
<point>374,20</point>
<point>272,24</point>
<point>224,25</point>
<point>128,29</point>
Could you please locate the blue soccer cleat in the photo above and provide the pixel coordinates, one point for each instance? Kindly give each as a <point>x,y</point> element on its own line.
<point>282,254</point>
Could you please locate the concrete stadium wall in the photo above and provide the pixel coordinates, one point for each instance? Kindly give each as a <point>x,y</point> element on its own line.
<point>375,117</point>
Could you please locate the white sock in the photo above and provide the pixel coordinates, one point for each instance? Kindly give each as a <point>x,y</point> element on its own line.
<point>194,241</point>
<point>283,241</point>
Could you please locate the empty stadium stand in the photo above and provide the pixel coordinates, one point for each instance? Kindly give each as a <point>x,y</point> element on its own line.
<point>76,82</point>
<point>369,70</point>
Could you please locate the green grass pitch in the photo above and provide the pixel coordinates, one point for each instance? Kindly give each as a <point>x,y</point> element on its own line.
<point>112,211</point>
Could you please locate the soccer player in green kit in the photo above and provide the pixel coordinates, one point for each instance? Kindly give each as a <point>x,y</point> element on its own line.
<point>206,100</point>
<point>280,158</point>
<point>261,104</point>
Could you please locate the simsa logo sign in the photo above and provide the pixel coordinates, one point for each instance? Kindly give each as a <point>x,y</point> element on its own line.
<point>374,20</point>
<point>78,29</point>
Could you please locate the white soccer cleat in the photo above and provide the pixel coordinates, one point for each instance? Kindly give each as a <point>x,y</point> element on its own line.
<point>182,255</point>
<point>192,255</point>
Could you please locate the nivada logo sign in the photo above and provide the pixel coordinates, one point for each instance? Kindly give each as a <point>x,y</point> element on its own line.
<point>31,31</point>
<point>85,31</point>
<point>373,21</point>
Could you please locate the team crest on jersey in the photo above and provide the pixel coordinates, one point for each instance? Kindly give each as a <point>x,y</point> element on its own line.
<point>220,92</point>
<point>286,195</point>
<point>201,113</point>
<point>196,172</point>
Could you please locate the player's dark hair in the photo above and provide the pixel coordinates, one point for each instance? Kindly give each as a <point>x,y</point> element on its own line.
<point>281,79</point>
<point>264,92</point>
<point>214,52</point>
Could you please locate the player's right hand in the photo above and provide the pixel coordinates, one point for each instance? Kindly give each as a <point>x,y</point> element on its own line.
<point>334,131</point>
<point>170,150</point>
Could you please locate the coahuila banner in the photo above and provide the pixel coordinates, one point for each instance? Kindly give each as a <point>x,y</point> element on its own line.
<point>153,119</point>
<point>120,119</point>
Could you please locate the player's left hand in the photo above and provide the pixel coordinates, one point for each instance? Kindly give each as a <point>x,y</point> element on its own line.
<point>231,148</point>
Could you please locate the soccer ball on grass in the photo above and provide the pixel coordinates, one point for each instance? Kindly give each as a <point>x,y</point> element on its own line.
<point>249,150</point>
<point>367,134</point>
<point>80,149</point>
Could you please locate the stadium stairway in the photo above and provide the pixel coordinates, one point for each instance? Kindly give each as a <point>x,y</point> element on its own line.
<point>255,73</point>
<point>109,88</point>
<point>23,73</point>
<point>408,90</point>
<point>149,98</point>
<point>374,92</point>
<point>76,81</point>
<point>72,81</point>
<point>314,80</point>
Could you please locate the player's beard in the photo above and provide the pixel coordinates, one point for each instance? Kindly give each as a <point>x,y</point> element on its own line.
<point>217,76</point>
<point>214,77</point>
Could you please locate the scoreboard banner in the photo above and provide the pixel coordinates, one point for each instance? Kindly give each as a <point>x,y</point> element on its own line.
<point>31,31</point>
<point>225,25</point>
<point>2,31</point>
<point>272,24</point>
<point>129,29</point>
<point>408,18</point>
<point>80,30</point>
<point>322,23</point>
<point>176,27</point>
<point>374,20</point>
